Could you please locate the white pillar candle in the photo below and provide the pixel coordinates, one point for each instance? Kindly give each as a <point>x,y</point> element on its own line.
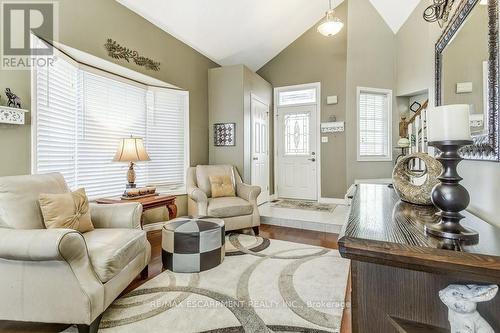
<point>449,122</point>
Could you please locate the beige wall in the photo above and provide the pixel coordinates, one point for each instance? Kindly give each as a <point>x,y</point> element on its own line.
<point>371,62</point>
<point>463,61</point>
<point>230,90</point>
<point>480,178</point>
<point>85,25</point>
<point>315,58</point>
<point>363,54</point>
<point>15,140</point>
<point>414,54</point>
<point>225,86</point>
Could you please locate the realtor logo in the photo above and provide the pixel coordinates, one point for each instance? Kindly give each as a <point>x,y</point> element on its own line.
<point>21,19</point>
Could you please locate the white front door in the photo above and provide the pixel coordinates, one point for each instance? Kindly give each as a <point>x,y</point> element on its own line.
<point>260,147</point>
<point>297,152</point>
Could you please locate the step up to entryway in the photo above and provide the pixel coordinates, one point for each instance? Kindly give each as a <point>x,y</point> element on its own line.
<point>304,215</point>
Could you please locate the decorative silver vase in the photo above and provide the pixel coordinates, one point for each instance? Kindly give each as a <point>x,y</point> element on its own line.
<point>404,179</point>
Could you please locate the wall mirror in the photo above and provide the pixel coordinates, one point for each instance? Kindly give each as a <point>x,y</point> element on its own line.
<point>467,72</point>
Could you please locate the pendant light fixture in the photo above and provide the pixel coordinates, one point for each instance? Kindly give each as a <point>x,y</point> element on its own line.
<point>331,25</point>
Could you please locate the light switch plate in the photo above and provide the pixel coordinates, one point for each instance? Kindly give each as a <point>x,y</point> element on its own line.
<point>324,139</point>
<point>332,100</point>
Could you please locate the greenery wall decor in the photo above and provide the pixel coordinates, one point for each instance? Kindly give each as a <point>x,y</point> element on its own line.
<point>117,51</point>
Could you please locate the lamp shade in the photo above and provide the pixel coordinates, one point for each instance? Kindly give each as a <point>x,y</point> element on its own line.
<point>131,150</point>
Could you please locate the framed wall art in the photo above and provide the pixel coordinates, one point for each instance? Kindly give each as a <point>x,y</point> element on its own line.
<point>224,134</point>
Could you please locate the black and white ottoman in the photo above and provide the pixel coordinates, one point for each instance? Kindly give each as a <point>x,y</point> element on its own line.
<point>192,245</point>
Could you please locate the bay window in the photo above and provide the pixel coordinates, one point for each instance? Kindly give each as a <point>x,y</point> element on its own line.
<point>81,114</point>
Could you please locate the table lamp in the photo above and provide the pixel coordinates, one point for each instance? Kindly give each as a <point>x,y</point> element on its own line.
<point>131,150</point>
<point>449,130</point>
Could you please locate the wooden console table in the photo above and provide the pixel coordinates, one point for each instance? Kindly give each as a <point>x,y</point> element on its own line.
<point>148,203</point>
<point>397,270</point>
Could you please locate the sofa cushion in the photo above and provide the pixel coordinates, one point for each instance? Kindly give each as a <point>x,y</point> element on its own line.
<point>222,186</point>
<point>229,207</point>
<point>19,208</point>
<point>110,250</point>
<point>66,211</point>
<point>203,173</point>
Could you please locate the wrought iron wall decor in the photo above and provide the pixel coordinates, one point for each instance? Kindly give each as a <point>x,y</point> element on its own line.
<point>438,12</point>
<point>485,147</point>
<point>117,51</point>
<point>224,134</point>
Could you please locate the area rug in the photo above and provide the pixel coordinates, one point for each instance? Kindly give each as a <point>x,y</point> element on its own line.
<point>262,286</point>
<point>307,205</point>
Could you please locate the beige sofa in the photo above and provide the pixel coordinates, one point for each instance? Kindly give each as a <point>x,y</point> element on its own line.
<point>61,275</point>
<point>239,212</point>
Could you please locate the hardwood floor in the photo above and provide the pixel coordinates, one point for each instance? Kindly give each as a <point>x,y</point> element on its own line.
<point>155,267</point>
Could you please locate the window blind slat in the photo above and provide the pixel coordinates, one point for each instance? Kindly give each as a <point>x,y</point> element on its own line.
<point>110,110</point>
<point>166,109</point>
<point>56,119</point>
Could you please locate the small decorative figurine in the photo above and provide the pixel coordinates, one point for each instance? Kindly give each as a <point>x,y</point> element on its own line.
<point>13,100</point>
<point>462,312</point>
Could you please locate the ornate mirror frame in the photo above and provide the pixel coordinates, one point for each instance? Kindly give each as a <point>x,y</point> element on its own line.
<point>485,147</point>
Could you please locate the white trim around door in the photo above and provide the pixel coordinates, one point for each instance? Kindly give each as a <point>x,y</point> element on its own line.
<point>260,159</point>
<point>316,86</point>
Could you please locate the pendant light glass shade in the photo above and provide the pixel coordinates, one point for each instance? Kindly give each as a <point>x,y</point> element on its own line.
<point>331,25</point>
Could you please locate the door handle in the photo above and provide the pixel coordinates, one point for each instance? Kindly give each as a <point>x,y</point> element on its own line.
<point>312,159</point>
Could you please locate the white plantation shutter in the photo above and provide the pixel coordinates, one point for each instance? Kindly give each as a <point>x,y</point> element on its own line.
<point>110,110</point>
<point>374,124</point>
<point>167,138</point>
<point>81,116</point>
<point>55,125</point>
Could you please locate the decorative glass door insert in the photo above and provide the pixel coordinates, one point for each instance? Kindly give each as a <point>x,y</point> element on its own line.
<point>297,133</point>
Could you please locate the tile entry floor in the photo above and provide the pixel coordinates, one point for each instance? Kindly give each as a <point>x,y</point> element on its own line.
<point>304,219</point>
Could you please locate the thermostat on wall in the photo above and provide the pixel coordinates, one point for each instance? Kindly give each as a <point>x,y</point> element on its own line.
<point>337,126</point>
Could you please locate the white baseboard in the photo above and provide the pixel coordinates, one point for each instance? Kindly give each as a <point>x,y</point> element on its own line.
<point>153,226</point>
<point>273,197</point>
<point>336,201</point>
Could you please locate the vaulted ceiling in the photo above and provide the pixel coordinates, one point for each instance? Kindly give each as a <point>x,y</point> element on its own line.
<point>249,32</point>
<point>395,12</point>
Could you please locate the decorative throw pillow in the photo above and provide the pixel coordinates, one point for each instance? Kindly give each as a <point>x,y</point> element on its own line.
<point>67,210</point>
<point>222,186</point>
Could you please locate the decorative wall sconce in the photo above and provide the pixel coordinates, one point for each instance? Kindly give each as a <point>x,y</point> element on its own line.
<point>438,12</point>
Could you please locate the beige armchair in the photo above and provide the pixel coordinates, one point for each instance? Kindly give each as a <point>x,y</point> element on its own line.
<point>61,275</point>
<point>238,212</point>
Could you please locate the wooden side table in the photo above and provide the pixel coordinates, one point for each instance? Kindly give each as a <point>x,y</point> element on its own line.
<point>148,203</point>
